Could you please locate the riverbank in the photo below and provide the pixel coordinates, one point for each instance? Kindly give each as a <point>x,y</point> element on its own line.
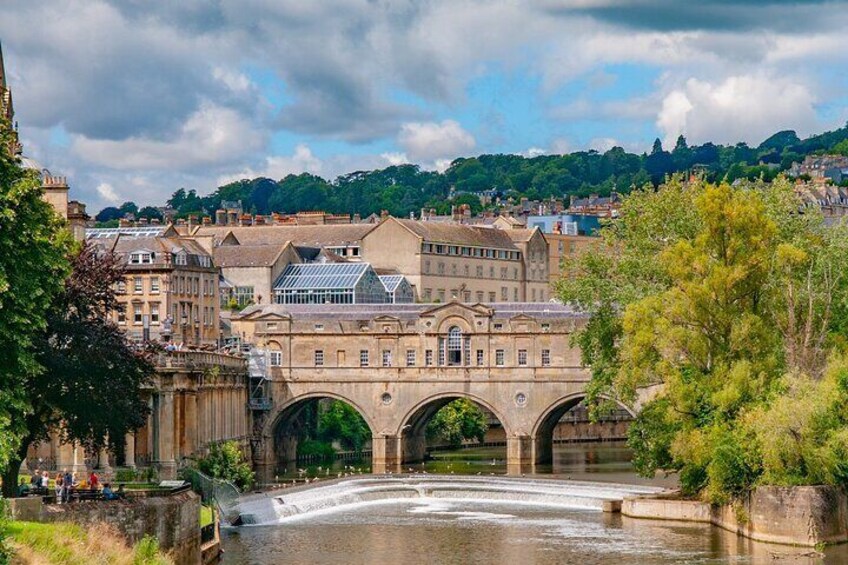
<point>64,543</point>
<point>807,516</point>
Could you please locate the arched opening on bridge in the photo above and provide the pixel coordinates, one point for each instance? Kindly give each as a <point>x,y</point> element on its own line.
<point>453,433</point>
<point>320,435</point>
<point>566,423</point>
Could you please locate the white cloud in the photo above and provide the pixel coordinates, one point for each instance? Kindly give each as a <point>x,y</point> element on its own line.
<point>603,144</point>
<point>428,142</point>
<point>107,192</point>
<point>279,166</point>
<point>395,158</point>
<point>740,108</point>
<point>210,136</point>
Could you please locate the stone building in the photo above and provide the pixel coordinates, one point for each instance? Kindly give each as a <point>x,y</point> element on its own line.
<point>250,270</point>
<point>448,261</point>
<point>562,246</point>
<point>397,364</point>
<point>171,287</point>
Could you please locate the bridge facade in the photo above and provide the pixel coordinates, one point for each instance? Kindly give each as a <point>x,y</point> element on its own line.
<point>397,365</point>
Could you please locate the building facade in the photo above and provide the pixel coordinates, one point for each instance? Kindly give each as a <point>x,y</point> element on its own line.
<point>448,261</point>
<point>170,291</point>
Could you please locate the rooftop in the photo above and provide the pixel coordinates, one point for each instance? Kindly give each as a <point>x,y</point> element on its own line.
<point>459,234</point>
<point>306,236</point>
<point>321,276</point>
<point>539,310</point>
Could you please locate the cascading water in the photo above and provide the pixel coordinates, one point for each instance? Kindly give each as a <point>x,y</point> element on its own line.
<point>281,506</point>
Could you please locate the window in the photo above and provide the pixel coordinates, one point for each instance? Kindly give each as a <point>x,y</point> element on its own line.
<point>141,258</point>
<point>454,352</point>
<point>499,357</point>
<point>122,287</point>
<point>467,269</point>
<point>154,285</point>
<point>515,294</point>
<point>387,358</point>
<point>410,357</point>
<point>428,357</point>
<point>546,358</point>
<point>492,296</point>
<point>522,357</point>
<point>363,357</point>
<point>498,326</point>
<point>515,273</point>
<point>480,271</point>
<point>441,268</point>
<point>319,327</point>
<point>154,314</point>
<point>136,314</point>
<point>276,358</point>
<point>503,272</point>
<point>319,357</point>
<point>122,316</point>
<point>533,294</point>
<point>180,258</point>
<point>504,293</point>
<point>441,293</point>
<point>137,285</point>
<point>427,267</point>
<point>479,296</point>
<point>453,269</point>
<point>428,294</point>
<point>479,357</point>
<point>491,272</point>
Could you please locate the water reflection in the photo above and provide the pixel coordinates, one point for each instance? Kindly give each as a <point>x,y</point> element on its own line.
<point>449,531</point>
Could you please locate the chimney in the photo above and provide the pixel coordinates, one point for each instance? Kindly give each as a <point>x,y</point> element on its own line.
<point>192,222</point>
<point>220,217</point>
<point>357,218</point>
<point>154,221</point>
<point>232,217</point>
<point>384,214</point>
<point>259,220</point>
<point>207,221</point>
<point>123,223</point>
<point>142,221</point>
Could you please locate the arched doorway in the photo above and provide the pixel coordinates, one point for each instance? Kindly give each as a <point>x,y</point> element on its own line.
<point>567,421</point>
<point>452,427</point>
<point>320,430</point>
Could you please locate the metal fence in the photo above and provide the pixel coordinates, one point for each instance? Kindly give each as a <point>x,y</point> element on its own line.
<point>223,494</point>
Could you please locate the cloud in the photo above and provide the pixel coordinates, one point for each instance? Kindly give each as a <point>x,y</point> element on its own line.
<point>209,136</point>
<point>107,192</point>
<point>280,166</point>
<point>740,108</point>
<point>426,142</point>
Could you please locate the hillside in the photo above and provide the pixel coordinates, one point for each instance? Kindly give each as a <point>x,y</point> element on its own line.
<point>406,188</point>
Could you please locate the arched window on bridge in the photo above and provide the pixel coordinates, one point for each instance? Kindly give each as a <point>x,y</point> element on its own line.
<point>455,349</point>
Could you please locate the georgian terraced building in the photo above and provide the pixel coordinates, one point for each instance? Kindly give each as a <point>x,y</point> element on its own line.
<point>171,285</point>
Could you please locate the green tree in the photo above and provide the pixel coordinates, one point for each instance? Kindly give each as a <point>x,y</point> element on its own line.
<point>33,266</point>
<point>340,422</point>
<point>458,421</point>
<point>91,378</point>
<point>226,461</point>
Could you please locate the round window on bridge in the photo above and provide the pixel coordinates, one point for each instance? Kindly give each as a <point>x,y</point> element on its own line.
<point>386,398</point>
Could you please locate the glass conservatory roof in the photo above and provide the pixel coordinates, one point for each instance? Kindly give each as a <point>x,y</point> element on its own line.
<point>316,276</point>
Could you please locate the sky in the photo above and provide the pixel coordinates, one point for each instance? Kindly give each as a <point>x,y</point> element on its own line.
<point>132,99</point>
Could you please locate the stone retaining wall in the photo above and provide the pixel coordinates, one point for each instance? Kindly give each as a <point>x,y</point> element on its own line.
<point>805,516</point>
<point>174,520</point>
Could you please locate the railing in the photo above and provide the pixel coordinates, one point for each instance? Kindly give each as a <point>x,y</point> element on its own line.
<point>199,359</point>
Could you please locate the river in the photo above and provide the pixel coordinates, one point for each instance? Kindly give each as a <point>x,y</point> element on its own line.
<point>440,530</point>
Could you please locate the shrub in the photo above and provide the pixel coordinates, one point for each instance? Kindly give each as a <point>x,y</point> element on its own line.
<point>225,461</point>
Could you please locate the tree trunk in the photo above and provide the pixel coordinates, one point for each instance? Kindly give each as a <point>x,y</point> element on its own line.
<point>10,473</point>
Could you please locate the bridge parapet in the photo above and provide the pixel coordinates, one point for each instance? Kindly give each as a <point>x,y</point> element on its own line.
<point>199,360</point>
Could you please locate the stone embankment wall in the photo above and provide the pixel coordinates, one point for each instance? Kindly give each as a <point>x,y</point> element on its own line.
<point>173,519</point>
<point>805,516</point>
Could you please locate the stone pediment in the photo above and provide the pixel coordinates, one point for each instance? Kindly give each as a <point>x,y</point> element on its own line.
<point>264,316</point>
<point>457,308</point>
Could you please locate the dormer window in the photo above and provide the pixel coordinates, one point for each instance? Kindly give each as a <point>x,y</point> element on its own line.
<point>141,258</point>
<point>180,259</point>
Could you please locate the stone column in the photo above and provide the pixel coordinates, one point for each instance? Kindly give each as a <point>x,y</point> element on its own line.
<point>519,455</point>
<point>386,454</point>
<point>191,423</point>
<point>129,450</point>
<point>166,463</point>
<point>103,460</point>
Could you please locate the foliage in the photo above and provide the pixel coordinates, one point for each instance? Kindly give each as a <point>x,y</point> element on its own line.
<point>226,461</point>
<point>5,549</point>
<point>316,448</point>
<point>90,388</point>
<point>341,422</point>
<point>33,265</point>
<point>458,421</point>
<point>717,302</point>
<point>405,189</point>
<point>72,544</point>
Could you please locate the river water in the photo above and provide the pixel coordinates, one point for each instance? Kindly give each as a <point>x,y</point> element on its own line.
<point>439,530</point>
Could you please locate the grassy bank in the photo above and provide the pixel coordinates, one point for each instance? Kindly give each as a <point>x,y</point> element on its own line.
<point>70,544</point>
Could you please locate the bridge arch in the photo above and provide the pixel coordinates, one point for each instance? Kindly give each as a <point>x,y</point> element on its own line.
<point>413,424</point>
<point>543,429</point>
<point>283,427</point>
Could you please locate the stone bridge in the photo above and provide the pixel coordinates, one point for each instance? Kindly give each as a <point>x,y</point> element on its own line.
<point>397,365</point>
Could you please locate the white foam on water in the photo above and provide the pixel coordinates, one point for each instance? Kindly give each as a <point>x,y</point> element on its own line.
<point>432,494</point>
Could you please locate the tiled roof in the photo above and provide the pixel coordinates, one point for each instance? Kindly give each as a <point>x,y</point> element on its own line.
<point>247,255</point>
<point>458,234</point>
<point>316,236</point>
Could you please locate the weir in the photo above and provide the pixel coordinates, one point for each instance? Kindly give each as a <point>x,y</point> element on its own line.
<point>279,507</point>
